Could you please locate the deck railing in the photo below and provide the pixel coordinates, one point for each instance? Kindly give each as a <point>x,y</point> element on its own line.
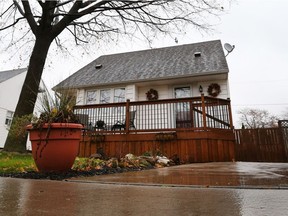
<point>197,113</point>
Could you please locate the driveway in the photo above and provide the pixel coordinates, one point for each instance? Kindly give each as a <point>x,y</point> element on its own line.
<point>222,174</point>
<point>197,189</point>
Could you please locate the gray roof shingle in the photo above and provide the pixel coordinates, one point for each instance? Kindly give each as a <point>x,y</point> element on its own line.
<point>5,75</point>
<point>153,64</point>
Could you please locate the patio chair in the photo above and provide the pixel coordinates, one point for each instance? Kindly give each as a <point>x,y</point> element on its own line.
<point>100,125</point>
<point>183,119</point>
<point>83,119</point>
<point>122,124</point>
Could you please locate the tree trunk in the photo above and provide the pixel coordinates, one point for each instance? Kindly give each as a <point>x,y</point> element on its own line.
<point>29,90</point>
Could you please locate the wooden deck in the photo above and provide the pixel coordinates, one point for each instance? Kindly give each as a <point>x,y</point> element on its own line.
<point>188,146</point>
<point>191,129</point>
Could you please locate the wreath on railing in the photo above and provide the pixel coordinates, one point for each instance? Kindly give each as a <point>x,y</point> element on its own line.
<point>152,94</point>
<point>214,89</point>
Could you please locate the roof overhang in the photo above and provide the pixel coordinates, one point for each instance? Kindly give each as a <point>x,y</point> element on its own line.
<point>196,77</point>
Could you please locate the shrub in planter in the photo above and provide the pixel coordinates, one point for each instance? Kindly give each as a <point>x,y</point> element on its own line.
<point>56,134</point>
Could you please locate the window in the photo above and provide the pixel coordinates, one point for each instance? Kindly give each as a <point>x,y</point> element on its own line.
<point>9,116</point>
<point>182,92</point>
<point>91,97</point>
<point>119,95</point>
<point>105,96</point>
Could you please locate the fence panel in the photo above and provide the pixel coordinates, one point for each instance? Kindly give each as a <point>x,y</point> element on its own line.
<point>260,145</point>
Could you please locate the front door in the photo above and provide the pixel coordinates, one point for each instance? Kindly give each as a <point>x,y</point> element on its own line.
<point>183,118</point>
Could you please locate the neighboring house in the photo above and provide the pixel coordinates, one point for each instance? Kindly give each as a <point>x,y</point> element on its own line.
<point>11,82</point>
<point>176,71</point>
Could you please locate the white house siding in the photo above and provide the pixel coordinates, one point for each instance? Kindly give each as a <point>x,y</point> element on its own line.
<point>3,128</point>
<point>131,92</point>
<point>9,95</point>
<point>223,85</point>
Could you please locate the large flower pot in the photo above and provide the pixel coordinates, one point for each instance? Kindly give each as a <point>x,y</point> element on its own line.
<point>55,146</point>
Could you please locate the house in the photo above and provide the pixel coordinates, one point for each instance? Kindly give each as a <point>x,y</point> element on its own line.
<point>142,96</point>
<point>11,82</point>
<point>176,71</point>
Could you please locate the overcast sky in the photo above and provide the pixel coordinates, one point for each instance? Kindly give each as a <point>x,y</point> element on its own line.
<point>258,65</point>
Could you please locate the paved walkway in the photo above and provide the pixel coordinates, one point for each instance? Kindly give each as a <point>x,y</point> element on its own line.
<point>237,175</point>
<point>196,189</point>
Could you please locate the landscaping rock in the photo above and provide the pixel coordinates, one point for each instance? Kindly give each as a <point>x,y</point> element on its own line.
<point>144,163</point>
<point>113,163</point>
<point>150,159</point>
<point>130,157</point>
<point>163,160</point>
<point>96,156</point>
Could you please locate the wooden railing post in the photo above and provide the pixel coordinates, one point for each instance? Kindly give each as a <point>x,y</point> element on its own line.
<point>203,111</point>
<point>191,114</point>
<point>230,114</point>
<point>127,116</point>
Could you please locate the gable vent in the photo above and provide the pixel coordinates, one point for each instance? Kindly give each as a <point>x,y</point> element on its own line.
<point>197,54</point>
<point>98,66</point>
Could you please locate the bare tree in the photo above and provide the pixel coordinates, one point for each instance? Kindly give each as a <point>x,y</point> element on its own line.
<point>284,115</point>
<point>84,20</point>
<point>257,118</point>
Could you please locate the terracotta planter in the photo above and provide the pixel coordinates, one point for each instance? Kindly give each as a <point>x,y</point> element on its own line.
<point>56,148</point>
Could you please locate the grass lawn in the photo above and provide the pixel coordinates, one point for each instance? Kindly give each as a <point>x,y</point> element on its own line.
<point>19,163</point>
<point>23,163</point>
<point>13,162</point>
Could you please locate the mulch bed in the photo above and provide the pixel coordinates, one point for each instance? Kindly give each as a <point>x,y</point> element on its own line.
<point>70,174</point>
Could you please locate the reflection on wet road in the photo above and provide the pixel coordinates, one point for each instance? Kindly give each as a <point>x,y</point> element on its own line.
<point>42,197</point>
<point>166,191</point>
<point>239,175</point>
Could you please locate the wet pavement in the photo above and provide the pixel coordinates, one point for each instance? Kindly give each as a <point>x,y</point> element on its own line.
<point>223,174</point>
<point>196,189</point>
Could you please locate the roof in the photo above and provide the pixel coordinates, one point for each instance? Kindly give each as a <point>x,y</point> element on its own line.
<point>148,65</point>
<point>5,75</point>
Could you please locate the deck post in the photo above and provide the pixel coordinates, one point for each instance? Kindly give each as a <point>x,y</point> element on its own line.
<point>127,116</point>
<point>230,114</point>
<point>191,114</point>
<point>203,111</point>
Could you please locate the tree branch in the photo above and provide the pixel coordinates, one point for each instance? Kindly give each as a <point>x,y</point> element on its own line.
<point>14,23</point>
<point>40,3</point>
<point>29,16</point>
<point>19,7</point>
<point>63,3</point>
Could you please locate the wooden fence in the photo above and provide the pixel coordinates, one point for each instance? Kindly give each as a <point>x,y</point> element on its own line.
<point>260,145</point>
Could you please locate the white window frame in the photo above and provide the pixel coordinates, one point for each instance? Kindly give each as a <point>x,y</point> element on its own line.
<point>97,95</point>
<point>89,94</point>
<point>182,86</point>
<point>124,98</point>
<point>9,118</point>
<point>109,96</point>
